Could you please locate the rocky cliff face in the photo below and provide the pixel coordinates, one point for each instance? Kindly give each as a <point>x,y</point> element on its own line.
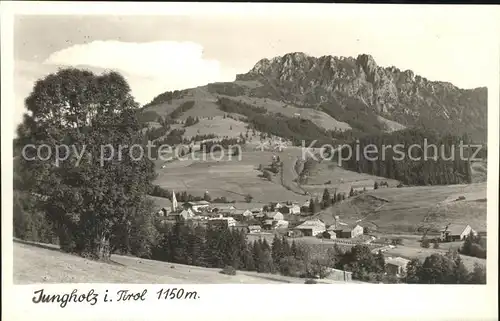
<point>397,95</point>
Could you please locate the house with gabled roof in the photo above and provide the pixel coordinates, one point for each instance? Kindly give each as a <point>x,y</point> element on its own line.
<point>240,214</point>
<point>456,232</point>
<point>396,265</point>
<point>347,231</point>
<point>198,206</point>
<point>276,216</point>
<point>311,227</point>
<point>223,208</point>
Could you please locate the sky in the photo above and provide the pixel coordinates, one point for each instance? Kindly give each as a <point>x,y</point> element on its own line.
<point>158,53</point>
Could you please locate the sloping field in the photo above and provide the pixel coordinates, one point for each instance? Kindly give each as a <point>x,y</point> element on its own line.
<point>390,125</point>
<point>340,179</point>
<point>231,177</point>
<point>219,126</point>
<point>420,253</point>
<point>205,106</point>
<point>320,118</point>
<point>46,264</point>
<point>413,209</point>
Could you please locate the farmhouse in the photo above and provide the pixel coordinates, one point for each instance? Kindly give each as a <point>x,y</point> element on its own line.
<point>311,227</point>
<point>222,222</point>
<point>456,232</point>
<point>329,235</point>
<point>254,229</point>
<point>198,206</point>
<point>396,266</point>
<point>347,231</point>
<point>186,214</point>
<point>276,216</point>
<point>279,224</point>
<point>241,214</point>
<point>267,224</point>
<point>294,208</point>
<point>222,208</point>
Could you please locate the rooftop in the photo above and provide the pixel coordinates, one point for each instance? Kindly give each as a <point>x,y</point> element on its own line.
<point>454,229</point>
<point>199,203</point>
<point>248,206</point>
<point>238,212</point>
<point>311,224</point>
<point>399,261</point>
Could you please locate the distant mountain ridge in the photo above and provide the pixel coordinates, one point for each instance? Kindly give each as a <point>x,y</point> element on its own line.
<point>400,96</point>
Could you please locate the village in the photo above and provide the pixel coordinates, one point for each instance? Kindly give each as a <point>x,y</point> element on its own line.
<point>294,221</point>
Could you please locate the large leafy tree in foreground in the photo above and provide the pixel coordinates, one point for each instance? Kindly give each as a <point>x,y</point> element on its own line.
<point>93,196</point>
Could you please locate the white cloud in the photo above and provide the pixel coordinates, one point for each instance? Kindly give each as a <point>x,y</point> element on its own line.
<point>151,68</point>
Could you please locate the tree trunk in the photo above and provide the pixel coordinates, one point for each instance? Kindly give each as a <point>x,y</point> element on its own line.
<point>102,251</point>
<point>66,241</point>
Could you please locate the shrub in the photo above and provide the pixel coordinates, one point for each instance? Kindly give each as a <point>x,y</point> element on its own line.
<point>425,243</point>
<point>310,281</point>
<point>228,270</point>
<point>397,241</point>
<point>436,245</point>
<point>290,266</point>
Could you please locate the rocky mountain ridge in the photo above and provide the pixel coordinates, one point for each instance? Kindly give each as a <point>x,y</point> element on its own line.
<point>396,95</point>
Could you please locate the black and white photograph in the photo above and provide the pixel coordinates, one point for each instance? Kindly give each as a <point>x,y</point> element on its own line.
<point>345,144</point>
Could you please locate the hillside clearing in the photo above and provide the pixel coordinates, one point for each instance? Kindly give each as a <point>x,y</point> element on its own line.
<point>229,177</point>
<point>412,209</point>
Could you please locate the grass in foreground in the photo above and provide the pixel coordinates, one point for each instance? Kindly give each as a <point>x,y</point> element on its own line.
<point>41,263</point>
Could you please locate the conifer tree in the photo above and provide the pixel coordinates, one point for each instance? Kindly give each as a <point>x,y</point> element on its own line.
<point>287,251</point>
<point>294,249</point>
<point>326,201</point>
<point>276,249</point>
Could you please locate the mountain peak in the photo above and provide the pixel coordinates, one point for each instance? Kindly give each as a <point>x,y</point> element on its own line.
<point>369,66</point>
<point>397,95</point>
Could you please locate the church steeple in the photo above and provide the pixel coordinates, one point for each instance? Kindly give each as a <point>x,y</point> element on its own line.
<point>174,202</point>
